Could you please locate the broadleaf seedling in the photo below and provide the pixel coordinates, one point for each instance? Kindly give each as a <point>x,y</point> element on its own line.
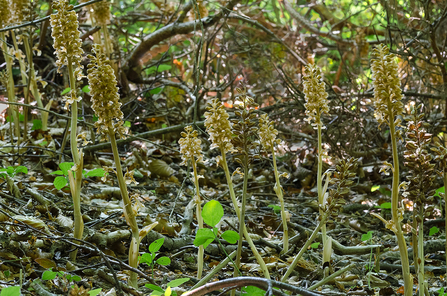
<point>212,213</point>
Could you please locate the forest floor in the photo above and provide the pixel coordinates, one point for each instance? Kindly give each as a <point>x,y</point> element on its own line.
<point>36,222</point>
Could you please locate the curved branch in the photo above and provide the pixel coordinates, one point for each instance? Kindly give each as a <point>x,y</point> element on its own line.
<point>303,22</point>
<point>133,64</point>
<point>261,283</point>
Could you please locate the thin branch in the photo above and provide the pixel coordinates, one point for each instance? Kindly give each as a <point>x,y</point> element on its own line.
<point>34,22</point>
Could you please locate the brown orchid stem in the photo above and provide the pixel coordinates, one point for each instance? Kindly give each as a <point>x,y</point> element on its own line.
<point>321,193</point>
<point>280,195</point>
<point>421,256</point>
<point>128,211</point>
<point>242,218</point>
<point>199,217</point>
<point>314,234</point>
<point>33,82</point>
<point>259,259</point>
<point>78,161</point>
<point>24,79</point>
<point>408,283</point>
<point>12,110</point>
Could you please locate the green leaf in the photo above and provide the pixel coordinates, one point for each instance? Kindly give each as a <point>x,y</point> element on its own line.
<point>385,191</point>
<point>95,118</point>
<point>230,236</point>
<point>21,169</point>
<point>43,143</point>
<point>385,205</point>
<point>11,291</point>
<point>10,171</point>
<point>157,293</point>
<point>95,173</point>
<point>59,182</point>
<point>156,91</point>
<point>163,261</point>
<point>49,275</point>
<point>433,230</point>
<point>65,166</point>
<point>156,245</point>
<point>159,68</point>
<point>439,190</point>
<point>6,273</point>
<point>154,287</point>
<point>65,91</point>
<point>276,208</point>
<point>37,124</point>
<point>177,282</point>
<point>86,89</point>
<point>367,236</point>
<point>203,236</point>
<point>314,245</point>
<point>127,124</point>
<point>375,187</point>
<point>212,212</point>
<point>57,173</point>
<point>252,291</point>
<point>137,174</point>
<point>94,292</point>
<point>147,258</point>
<point>76,278</point>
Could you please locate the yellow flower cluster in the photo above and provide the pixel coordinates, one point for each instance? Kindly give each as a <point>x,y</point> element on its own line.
<point>101,12</point>
<point>66,36</point>
<point>21,11</point>
<point>387,92</point>
<point>105,97</point>
<point>5,13</point>
<point>315,95</point>
<point>190,145</point>
<point>267,132</point>
<point>218,126</point>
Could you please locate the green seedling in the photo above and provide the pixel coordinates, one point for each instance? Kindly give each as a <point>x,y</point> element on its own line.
<point>62,179</point>
<point>433,230</point>
<point>65,279</point>
<point>382,189</point>
<point>212,213</point>
<point>366,237</point>
<point>168,292</point>
<point>384,206</point>
<point>276,209</point>
<point>440,190</point>
<point>149,258</point>
<point>315,245</point>
<point>440,291</point>
<point>12,171</point>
